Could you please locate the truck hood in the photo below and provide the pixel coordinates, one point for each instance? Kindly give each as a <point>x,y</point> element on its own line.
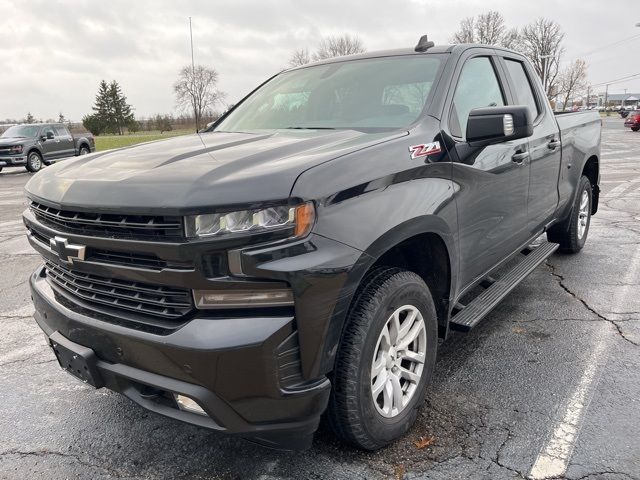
<point>13,140</point>
<point>194,173</point>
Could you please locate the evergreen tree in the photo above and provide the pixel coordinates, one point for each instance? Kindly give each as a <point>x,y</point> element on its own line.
<point>61,118</point>
<point>103,106</point>
<point>112,112</point>
<point>122,114</point>
<point>30,118</point>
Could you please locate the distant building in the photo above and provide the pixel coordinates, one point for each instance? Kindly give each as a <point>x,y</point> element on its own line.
<point>619,99</point>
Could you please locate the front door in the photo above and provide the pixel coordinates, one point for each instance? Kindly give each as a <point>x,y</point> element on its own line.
<point>492,183</point>
<point>49,146</point>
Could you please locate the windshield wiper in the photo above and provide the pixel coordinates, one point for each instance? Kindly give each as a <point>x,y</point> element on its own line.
<point>309,128</point>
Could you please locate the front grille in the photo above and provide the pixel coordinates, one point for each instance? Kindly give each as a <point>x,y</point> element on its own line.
<point>136,260</point>
<point>108,224</point>
<point>127,259</point>
<point>116,296</point>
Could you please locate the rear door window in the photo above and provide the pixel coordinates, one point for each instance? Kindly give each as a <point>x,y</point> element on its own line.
<point>61,131</point>
<point>522,86</point>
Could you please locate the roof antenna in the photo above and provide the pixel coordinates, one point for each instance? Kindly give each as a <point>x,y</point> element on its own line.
<point>423,44</point>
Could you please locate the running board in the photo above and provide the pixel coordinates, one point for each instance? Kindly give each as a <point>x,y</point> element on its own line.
<point>471,314</point>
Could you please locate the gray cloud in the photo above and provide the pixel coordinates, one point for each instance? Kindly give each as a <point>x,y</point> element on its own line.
<point>55,53</point>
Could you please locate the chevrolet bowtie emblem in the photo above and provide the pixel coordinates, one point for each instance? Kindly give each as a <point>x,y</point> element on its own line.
<point>66,251</point>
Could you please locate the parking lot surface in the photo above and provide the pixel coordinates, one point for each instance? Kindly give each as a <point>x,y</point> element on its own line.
<point>547,386</point>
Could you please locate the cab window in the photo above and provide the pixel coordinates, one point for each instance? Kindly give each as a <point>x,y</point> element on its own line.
<point>478,86</point>
<point>61,131</point>
<point>522,86</point>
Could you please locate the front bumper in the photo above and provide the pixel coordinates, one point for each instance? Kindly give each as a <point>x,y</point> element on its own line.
<point>12,161</point>
<point>229,366</point>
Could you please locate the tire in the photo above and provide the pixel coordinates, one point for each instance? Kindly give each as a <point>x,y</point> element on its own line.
<point>353,413</point>
<point>83,150</point>
<point>34,162</point>
<point>635,129</point>
<point>572,232</point>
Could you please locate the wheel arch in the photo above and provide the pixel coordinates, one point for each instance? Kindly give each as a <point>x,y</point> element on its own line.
<point>427,240</point>
<point>34,149</point>
<point>591,170</point>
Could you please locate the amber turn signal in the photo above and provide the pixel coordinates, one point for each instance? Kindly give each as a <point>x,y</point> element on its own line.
<point>305,217</point>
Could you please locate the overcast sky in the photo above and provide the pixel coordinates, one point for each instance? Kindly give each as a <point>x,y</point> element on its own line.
<point>55,53</point>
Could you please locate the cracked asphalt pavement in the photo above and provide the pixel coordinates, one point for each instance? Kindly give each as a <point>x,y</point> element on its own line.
<point>548,386</point>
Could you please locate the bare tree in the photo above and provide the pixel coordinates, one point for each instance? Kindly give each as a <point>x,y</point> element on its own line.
<point>572,80</point>
<point>541,41</point>
<point>488,28</point>
<point>466,34</point>
<point>299,57</point>
<point>337,46</point>
<point>197,89</point>
<point>511,39</point>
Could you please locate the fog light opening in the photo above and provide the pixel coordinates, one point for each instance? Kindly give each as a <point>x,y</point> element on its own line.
<point>187,404</point>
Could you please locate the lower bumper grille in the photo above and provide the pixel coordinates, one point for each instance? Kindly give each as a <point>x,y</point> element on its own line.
<point>121,296</point>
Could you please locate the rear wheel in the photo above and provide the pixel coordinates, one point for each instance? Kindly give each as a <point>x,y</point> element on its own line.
<point>572,232</point>
<point>34,162</point>
<point>385,359</point>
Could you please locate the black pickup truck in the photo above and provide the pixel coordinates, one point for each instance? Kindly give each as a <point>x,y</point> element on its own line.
<point>306,253</point>
<point>36,144</point>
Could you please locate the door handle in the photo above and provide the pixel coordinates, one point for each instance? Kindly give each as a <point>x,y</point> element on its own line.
<point>520,157</point>
<point>553,144</point>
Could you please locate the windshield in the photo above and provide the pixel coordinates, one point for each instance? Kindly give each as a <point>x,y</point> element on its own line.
<point>363,94</point>
<point>26,131</point>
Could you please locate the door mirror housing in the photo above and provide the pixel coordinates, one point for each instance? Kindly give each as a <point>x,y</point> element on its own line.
<point>49,135</point>
<point>491,125</point>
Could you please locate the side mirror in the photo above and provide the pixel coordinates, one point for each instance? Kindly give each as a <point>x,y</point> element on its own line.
<point>491,125</point>
<point>49,135</point>
<point>43,138</point>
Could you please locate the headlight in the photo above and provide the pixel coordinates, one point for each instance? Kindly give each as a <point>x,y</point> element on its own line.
<point>297,221</point>
<point>15,149</point>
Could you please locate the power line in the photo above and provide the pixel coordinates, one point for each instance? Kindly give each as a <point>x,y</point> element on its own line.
<point>628,39</point>
<point>617,80</point>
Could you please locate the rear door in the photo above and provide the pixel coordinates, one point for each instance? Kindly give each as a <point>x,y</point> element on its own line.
<point>64,140</point>
<point>544,145</point>
<point>492,183</point>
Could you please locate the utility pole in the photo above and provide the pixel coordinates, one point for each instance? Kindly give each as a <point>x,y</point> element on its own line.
<point>606,96</point>
<point>543,61</point>
<point>588,92</point>
<point>193,76</point>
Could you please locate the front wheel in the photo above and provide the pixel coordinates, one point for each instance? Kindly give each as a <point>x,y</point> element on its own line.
<point>385,359</point>
<point>572,233</point>
<point>635,129</point>
<point>34,162</point>
<point>83,151</point>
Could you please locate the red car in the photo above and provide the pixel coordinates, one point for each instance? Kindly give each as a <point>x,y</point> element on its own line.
<point>633,121</point>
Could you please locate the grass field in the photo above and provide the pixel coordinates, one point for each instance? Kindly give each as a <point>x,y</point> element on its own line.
<point>106,142</point>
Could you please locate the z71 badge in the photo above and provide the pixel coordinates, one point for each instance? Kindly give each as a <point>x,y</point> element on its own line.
<point>424,150</point>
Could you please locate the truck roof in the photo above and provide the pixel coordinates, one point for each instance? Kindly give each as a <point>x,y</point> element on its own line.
<point>455,49</point>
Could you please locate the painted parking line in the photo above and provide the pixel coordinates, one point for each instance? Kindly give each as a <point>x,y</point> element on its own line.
<point>553,459</point>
